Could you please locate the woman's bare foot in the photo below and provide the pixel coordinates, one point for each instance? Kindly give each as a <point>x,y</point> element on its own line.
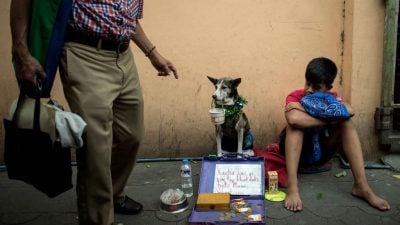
<point>366,193</point>
<point>293,201</point>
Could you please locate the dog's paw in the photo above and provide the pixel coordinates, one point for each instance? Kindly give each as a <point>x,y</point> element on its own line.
<point>248,152</point>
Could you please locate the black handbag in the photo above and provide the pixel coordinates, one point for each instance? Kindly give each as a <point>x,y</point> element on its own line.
<point>32,156</point>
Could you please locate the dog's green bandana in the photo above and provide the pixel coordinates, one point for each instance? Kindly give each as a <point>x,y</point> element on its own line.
<point>232,110</point>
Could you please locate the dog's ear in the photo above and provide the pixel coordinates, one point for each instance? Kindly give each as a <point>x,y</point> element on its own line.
<point>213,80</point>
<point>237,81</point>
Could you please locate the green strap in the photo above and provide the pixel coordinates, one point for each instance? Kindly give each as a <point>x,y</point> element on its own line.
<point>43,15</point>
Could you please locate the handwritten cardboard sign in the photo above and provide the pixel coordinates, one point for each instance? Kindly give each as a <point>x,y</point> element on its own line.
<point>238,179</point>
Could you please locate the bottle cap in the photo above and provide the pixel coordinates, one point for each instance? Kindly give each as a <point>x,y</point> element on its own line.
<point>185,161</point>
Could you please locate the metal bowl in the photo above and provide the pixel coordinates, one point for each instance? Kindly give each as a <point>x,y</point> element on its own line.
<point>173,201</point>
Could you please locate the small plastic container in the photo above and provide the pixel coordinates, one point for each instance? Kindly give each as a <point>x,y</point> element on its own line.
<point>217,115</point>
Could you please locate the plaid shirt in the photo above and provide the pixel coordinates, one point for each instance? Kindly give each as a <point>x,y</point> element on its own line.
<point>110,19</point>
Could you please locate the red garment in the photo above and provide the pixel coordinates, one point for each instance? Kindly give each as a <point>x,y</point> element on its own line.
<point>297,95</point>
<point>113,20</point>
<point>273,161</point>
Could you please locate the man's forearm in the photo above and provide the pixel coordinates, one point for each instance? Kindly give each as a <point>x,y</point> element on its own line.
<point>300,119</point>
<point>27,69</point>
<point>142,41</point>
<point>19,22</point>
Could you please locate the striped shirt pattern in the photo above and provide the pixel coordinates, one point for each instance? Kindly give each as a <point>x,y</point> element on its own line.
<point>109,19</point>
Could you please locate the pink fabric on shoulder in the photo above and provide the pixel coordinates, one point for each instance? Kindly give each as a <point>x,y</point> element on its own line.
<point>297,95</point>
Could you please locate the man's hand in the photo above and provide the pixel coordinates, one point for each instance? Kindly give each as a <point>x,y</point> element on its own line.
<point>297,117</point>
<point>349,108</point>
<point>28,71</point>
<point>162,65</point>
<point>294,105</point>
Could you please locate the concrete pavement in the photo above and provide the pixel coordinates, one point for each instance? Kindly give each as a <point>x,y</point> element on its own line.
<point>326,199</point>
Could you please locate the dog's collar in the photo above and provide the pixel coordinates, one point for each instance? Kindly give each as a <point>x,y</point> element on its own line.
<point>232,110</point>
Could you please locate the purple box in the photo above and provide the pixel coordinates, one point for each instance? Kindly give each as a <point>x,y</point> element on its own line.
<point>243,178</point>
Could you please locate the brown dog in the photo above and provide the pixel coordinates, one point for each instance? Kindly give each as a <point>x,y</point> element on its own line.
<point>236,123</point>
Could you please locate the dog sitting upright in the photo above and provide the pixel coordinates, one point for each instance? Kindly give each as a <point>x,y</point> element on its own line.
<point>234,134</point>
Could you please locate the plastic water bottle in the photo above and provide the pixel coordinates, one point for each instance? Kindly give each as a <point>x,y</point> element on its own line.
<point>186,177</point>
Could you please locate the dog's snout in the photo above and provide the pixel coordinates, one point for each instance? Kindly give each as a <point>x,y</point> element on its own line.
<point>214,96</point>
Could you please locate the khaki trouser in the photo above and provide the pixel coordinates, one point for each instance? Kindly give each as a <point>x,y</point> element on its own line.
<point>103,88</point>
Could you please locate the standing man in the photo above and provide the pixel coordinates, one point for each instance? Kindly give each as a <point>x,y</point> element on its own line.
<point>101,84</point>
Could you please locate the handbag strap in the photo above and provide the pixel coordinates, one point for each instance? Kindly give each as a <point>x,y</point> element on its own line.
<point>36,113</point>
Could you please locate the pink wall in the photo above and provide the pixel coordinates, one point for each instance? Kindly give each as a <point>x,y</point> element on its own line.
<point>266,43</point>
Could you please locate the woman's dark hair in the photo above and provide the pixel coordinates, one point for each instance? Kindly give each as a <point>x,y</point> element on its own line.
<point>321,71</point>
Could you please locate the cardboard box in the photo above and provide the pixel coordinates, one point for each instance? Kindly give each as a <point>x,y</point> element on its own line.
<point>213,201</point>
<point>272,181</point>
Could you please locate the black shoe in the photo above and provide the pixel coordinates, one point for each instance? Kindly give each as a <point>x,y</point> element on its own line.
<point>127,206</point>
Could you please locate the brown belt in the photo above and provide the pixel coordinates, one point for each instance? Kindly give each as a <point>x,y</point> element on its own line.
<point>96,42</point>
